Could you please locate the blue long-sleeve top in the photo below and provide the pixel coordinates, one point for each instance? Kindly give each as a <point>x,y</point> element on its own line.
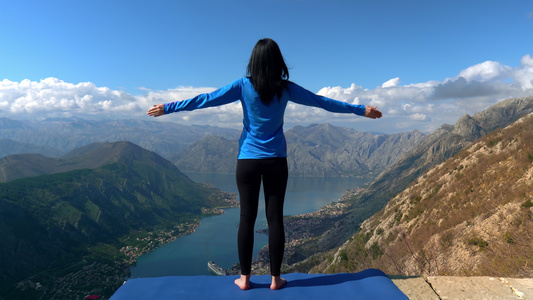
<point>262,135</point>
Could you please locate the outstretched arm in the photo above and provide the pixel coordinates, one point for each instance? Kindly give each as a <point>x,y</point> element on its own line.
<point>372,112</point>
<point>225,95</point>
<point>302,96</point>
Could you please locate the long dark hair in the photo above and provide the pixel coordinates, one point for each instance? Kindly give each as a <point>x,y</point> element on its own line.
<point>267,70</point>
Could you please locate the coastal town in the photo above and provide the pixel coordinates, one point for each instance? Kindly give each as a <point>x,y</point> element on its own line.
<point>139,245</point>
<point>153,240</point>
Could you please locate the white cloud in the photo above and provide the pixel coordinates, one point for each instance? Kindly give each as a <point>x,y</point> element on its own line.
<point>485,71</point>
<point>523,75</point>
<point>424,106</point>
<point>428,105</point>
<point>391,83</point>
<point>52,97</point>
<point>527,61</point>
<point>340,93</point>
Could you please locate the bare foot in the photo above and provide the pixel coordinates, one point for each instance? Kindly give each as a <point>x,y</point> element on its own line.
<point>277,282</point>
<point>243,282</point>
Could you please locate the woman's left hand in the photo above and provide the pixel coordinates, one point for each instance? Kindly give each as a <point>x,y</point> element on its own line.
<point>372,112</point>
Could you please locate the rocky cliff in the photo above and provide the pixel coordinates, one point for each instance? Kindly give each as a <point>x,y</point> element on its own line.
<point>469,216</point>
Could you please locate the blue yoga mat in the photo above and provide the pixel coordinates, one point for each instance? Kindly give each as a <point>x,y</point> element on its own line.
<point>369,284</point>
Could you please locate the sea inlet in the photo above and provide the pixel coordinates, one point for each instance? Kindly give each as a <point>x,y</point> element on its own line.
<point>216,237</point>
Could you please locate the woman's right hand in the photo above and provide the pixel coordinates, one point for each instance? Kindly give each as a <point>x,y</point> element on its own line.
<point>157,110</point>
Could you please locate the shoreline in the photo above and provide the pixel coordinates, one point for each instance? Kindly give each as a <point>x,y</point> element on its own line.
<point>155,239</point>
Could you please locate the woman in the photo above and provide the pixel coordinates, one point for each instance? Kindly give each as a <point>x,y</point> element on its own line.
<point>264,95</point>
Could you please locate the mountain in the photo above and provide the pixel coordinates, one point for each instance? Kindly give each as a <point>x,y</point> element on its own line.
<point>64,135</point>
<point>469,216</point>
<point>324,150</point>
<point>210,154</point>
<point>58,220</point>
<point>25,165</point>
<point>319,150</point>
<point>8,147</point>
<point>440,145</point>
<point>90,156</point>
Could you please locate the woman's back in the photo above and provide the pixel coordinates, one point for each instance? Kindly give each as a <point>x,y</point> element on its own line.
<point>262,134</point>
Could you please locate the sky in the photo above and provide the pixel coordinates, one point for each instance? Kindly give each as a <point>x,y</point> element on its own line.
<point>422,63</point>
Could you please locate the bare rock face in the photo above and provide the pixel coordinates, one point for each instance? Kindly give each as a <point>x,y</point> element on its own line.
<point>468,127</point>
<point>503,113</point>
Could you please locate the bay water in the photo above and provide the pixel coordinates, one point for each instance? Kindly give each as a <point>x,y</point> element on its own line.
<point>216,237</point>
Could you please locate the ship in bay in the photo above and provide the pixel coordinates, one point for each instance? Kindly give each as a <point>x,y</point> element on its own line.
<point>216,269</point>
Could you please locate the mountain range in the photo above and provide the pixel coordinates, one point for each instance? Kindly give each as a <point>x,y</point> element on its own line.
<point>8,147</point>
<point>59,136</point>
<point>318,150</point>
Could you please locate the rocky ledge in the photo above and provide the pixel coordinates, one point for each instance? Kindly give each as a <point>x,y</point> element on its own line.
<point>453,287</point>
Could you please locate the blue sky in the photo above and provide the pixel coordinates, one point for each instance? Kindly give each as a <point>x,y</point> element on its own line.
<point>424,63</point>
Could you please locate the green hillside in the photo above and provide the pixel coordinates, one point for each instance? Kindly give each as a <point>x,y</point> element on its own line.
<point>51,222</point>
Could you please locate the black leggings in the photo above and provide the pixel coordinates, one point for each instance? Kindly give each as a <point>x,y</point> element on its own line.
<point>274,173</point>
